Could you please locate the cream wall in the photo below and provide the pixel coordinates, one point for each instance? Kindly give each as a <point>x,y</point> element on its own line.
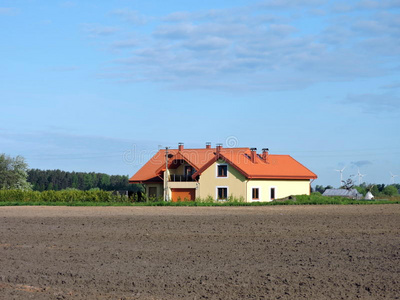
<point>180,170</point>
<point>238,185</point>
<point>209,181</point>
<point>283,188</point>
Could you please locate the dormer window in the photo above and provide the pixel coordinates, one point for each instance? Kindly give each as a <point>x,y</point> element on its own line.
<point>222,170</point>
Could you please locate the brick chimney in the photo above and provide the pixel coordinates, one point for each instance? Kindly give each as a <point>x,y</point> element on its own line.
<point>265,154</point>
<point>253,155</point>
<point>218,148</point>
<point>180,146</point>
<point>208,145</point>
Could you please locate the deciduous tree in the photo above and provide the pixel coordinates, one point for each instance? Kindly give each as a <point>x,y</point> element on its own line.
<point>13,173</point>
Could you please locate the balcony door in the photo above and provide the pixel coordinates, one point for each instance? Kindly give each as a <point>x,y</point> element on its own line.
<point>189,171</point>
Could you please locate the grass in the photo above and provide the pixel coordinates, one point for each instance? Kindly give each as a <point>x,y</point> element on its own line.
<point>102,198</point>
<point>202,204</point>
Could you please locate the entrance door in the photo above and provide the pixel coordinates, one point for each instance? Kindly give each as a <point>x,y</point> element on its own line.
<point>183,195</point>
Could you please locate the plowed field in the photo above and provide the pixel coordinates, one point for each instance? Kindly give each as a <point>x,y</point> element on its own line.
<point>281,252</point>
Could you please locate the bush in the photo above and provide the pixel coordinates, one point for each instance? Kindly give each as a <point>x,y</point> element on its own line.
<point>390,190</point>
<point>98,197</point>
<point>64,196</point>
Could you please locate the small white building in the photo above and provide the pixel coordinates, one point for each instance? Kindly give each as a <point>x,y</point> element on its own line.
<point>369,196</point>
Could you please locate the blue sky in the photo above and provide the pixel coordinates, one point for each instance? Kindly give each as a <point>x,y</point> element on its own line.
<point>101,85</point>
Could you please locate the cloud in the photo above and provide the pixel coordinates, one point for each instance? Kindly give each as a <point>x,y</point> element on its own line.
<point>9,11</point>
<point>364,5</point>
<point>124,44</point>
<point>96,30</point>
<point>342,7</point>
<point>131,16</point>
<point>179,16</point>
<point>369,4</point>
<point>236,47</point>
<point>394,85</point>
<point>64,68</point>
<point>361,163</point>
<point>68,4</point>
<point>374,103</point>
<point>59,150</point>
<point>289,3</point>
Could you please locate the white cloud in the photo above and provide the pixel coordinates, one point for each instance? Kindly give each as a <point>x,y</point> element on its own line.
<point>96,30</point>
<point>64,69</point>
<point>131,16</point>
<point>127,43</point>
<point>375,103</point>
<point>8,11</point>
<point>394,85</point>
<point>289,3</point>
<point>238,47</point>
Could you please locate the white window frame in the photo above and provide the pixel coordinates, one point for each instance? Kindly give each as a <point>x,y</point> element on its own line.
<point>227,170</point>
<point>276,192</point>
<point>259,193</point>
<point>216,192</point>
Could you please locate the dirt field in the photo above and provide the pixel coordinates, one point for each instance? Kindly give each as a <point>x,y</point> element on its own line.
<point>285,252</point>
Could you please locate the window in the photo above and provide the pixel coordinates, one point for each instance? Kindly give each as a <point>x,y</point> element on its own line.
<point>222,193</point>
<point>272,195</point>
<point>152,191</point>
<point>222,171</point>
<point>255,194</point>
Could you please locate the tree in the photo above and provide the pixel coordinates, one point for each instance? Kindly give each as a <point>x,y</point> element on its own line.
<point>319,188</point>
<point>348,184</point>
<point>104,181</point>
<point>390,190</point>
<point>13,173</point>
<point>361,189</point>
<point>88,181</point>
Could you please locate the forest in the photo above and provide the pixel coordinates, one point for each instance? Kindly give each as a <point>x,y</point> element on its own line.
<point>44,180</point>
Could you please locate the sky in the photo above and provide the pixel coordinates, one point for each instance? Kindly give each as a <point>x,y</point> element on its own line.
<point>102,85</point>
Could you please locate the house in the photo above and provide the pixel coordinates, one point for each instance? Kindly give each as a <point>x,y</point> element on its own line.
<point>347,193</point>
<point>221,172</point>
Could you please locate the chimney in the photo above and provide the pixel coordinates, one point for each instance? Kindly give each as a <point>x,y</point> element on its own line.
<point>208,145</point>
<point>265,154</point>
<point>253,155</point>
<point>180,146</point>
<point>218,148</point>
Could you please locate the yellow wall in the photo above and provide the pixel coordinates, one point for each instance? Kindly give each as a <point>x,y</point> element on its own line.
<point>209,181</point>
<point>180,170</point>
<point>238,185</point>
<point>283,188</point>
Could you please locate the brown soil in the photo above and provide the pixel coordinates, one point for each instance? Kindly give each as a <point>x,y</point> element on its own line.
<point>282,252</point>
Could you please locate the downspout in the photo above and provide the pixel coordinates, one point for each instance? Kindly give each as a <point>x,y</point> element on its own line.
<point>247,181</point>
<point>311,181</point>
<point>166,175</point>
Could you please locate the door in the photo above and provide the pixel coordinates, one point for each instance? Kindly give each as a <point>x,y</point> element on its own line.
<point>189,171</point>
<point>183,195</point>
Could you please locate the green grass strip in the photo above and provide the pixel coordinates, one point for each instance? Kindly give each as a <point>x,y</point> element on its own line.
<point>200,204</point>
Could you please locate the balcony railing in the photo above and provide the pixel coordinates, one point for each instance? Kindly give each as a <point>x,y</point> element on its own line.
<point>180,178</point>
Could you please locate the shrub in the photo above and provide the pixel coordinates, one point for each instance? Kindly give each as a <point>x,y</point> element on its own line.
<point>64,196</point>
<point>390,190</point>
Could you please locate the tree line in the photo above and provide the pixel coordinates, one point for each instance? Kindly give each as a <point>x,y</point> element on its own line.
<point>375,189</point>
<point>45,180</point>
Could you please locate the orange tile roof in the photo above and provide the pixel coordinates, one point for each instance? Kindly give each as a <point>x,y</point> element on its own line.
<point>275,167</point>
